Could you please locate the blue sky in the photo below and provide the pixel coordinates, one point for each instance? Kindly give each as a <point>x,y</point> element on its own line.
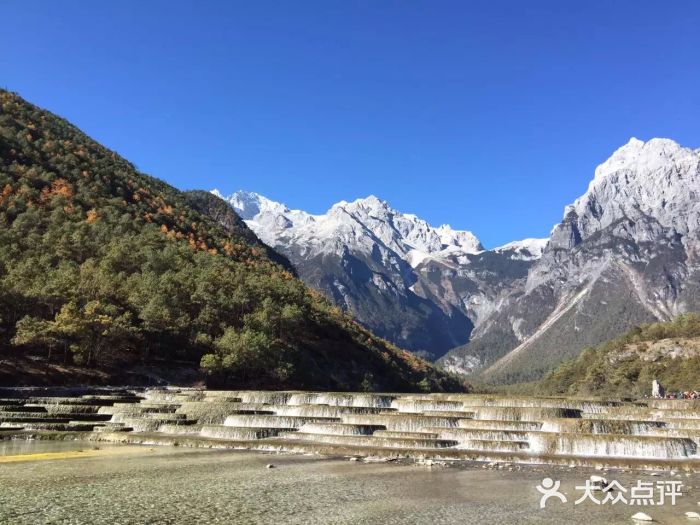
<point>490,116</point>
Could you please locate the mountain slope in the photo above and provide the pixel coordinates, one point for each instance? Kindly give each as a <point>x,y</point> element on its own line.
<point>625,253</point>
<point>421,287</point>
<point>626,366</point>
<point>102,266</point>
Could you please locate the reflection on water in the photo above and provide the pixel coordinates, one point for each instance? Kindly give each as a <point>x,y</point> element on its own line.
<point>175,485</point>
<point>22,446</point>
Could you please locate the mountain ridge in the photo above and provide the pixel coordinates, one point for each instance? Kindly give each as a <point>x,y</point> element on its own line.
<point>635,226</point>
<point>392,269</point>
<point>625,253</point>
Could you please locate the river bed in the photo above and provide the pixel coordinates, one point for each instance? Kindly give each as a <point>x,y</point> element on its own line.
<point>79,483</point>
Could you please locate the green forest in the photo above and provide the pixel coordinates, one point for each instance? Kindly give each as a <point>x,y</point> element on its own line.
<point>103,266</point>
<point>611,369</point>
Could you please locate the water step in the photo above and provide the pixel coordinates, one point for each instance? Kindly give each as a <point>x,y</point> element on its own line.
<point>112,427</point>
<point>135,408</point>
<point>421,405</point>
<point>215,412</point>
<point>611,445</point>
<point>683,423</point>
<point>21,408</point>
<point>637,415</point>
<point>65,426</point>
<point>585,406</point>
<point>173,395</point>
<point>113,399</point>
<point>499,424</point>
<point>274,421</point>
<point>240,433</point>
<point>340,429</point>
<point>403,422</point>
<point>340,399</point>
<point>677,414</point>
<point>487,445</point>
<point>370,441</point>
<point>603,426</point>
<point>406,435</point>
<point>82,416</point>
<point>524,413</point>
<point>150,406</point>
<point>693,404</point>
<point>22,419</point>
<point>450,413</point>
<point>324,410</point>
<point>160,416</point>
<point>480,434</point>
<point>274,398</point>
<point>152,425</point>
<point>51,417</point>
<point>69,409</point>
<point>192,429</point>
<point>68,401</point>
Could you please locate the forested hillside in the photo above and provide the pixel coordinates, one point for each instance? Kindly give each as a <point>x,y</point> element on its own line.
<point>626,366</point>
<point>102,266</point>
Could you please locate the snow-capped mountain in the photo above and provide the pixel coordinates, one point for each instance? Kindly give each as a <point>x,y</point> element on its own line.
<point>626,252</point>
<point>408,281</point>
<point>360,224</point>
<point>527,249</point>
<point>658,179</point>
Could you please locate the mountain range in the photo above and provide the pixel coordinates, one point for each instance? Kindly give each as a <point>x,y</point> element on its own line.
<point>109,275</point>
<point>625,252</point>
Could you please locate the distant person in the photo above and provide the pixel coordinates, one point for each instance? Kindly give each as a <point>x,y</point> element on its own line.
<point>657,390</point>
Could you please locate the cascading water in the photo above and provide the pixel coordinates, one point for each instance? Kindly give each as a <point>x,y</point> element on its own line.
<point>604,426</point>
<point>524,413</point>
<point>591,445</point>
<point>401,422</point>
<point>462,426</point>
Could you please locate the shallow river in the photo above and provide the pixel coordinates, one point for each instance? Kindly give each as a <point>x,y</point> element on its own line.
<point>74,483</point>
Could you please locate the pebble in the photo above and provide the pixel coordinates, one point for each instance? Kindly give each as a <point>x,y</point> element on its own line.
<point>640,516</point>
<point>269,465</point>
<point>692,515</point>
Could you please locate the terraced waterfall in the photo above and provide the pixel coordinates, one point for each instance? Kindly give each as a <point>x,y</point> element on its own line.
<point>644,435</point>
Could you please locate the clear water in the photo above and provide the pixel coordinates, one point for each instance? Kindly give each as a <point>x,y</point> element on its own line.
<point>168,485</point>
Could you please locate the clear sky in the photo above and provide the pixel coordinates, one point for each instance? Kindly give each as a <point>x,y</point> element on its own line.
<point>490,116</point>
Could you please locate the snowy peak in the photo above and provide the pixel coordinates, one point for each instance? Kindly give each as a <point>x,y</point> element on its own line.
<point>647,156</point>
<point>658,179</point>
<point>267,218</point>
<point>359,225</point>
<point>525,250</point>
